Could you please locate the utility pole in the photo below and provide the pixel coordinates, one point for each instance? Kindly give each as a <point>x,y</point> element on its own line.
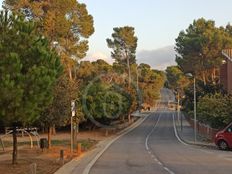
<point>195,106</point>
<point>195,111</point>
<point>178,108</point>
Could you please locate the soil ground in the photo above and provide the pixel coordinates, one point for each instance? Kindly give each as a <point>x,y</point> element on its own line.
<point>47,161</point>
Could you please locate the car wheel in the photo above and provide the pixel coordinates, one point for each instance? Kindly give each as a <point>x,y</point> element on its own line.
<point>223,145</point>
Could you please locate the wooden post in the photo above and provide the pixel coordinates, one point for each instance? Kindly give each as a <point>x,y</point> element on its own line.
<point>49,137</point>
<point>15,147</point>
<point>78,148</point>
<point>2,144</point>
<point>62,157</point>
<point>129,118</point>
<point>33,168</point>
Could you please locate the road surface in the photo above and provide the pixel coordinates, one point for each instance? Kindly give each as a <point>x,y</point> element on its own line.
<point>154,148</point>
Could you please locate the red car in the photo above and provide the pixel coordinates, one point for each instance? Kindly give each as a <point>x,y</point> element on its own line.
<point>223,139</point>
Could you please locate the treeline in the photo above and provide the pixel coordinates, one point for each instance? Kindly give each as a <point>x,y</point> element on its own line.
<point>41,47</point>
<point>199,55</point>
<point>104,92</point>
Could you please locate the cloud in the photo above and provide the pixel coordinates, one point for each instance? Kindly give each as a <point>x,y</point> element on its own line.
<point>158,58</point>
<point>98,55</point>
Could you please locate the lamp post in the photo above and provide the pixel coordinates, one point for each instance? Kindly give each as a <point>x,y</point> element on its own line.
<point>178,108</point>
<point>137,78</point>
<point>195,106</point>
<point>195,110</point>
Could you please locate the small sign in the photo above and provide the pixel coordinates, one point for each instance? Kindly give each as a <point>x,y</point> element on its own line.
<point>73,107</point>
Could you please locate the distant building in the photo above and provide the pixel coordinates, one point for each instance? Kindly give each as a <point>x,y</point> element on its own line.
<point>226,71</point>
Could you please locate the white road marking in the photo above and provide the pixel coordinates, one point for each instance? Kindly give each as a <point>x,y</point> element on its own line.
<point>176,134</point>
<point>190,146</point>
<point>152,155</point>
<point>148,136</point>
<point>168,170</point>
<point>99,154</point>
<point>181,141</point>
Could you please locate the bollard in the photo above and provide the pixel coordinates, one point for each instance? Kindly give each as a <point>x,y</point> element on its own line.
<point>62,157</point>
<point>78,148</point>
<point>33,168</point>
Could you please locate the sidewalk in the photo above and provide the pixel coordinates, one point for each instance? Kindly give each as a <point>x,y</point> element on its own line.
<point>83,164</point>
<point>187,133</point>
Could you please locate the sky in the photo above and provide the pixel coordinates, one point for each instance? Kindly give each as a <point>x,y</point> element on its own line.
<point>157,23</point>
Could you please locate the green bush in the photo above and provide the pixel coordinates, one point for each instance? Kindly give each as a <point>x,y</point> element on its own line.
<point>215,110</point>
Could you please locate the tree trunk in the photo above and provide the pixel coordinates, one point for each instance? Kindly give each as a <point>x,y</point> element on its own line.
<point>53,130</point>
<point>75,74</point>
<point>129,72</point>
<point>123,118</point>
<point>204,77</point>
<point>76,130</point>
<point>129,118</point>
<point>15,147</point>
<point>70,73</point>
<point>214,74</point>
<point>49,137</point>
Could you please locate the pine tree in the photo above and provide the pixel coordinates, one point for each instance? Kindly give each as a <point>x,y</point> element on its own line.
<point>66,23</point>
<point>28,72</point>
<point>124,44</point>
<point>199,49</point>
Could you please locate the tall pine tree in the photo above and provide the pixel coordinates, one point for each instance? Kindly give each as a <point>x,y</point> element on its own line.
<point>28,72</point>
<point>124,44</point>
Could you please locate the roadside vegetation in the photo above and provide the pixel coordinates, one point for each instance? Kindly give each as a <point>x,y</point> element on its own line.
<point>199,50</point>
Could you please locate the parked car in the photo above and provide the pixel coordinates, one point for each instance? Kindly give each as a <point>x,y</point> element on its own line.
<point>223,139</point>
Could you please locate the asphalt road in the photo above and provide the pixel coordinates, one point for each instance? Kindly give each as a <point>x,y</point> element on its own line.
<point>154,148</point>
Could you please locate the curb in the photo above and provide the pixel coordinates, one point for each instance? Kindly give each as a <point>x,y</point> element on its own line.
<point>193,143</point>
<point>98,150</point>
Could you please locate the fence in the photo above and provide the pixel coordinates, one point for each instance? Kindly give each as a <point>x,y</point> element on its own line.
<point>204,130</point>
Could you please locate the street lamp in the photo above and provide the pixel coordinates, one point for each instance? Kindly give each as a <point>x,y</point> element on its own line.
<point>178,106</point>
<point>195,106</point>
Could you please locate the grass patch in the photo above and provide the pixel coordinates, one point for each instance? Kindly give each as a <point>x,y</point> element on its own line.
<point>10,143</point>
<point>85,143</point>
